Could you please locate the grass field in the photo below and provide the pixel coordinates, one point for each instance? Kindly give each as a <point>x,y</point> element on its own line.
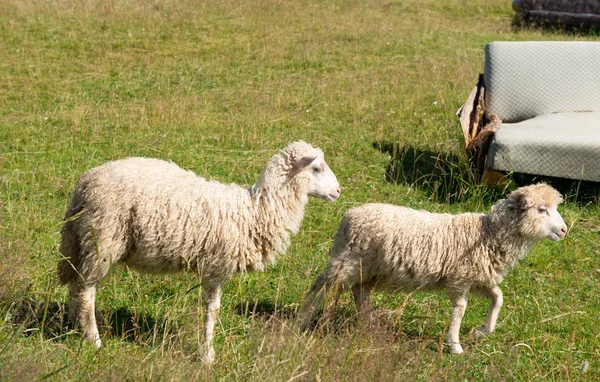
<point>218,87</point>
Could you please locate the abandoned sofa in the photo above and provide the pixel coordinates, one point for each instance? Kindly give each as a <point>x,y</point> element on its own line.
<point>547,96</point>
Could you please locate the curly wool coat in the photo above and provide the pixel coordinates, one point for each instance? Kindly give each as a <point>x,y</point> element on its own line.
<point>387,247</point>
<point>158,218</point>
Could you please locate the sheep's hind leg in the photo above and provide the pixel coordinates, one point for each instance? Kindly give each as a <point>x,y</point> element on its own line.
<point>312,301</point>
<point>213,305</point>
<point>459,305</point>
<point>489,324</point>
<point>82,310</point>
<point>335,279</point>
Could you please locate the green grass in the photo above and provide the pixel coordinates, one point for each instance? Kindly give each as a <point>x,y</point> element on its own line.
<point>219,87</point>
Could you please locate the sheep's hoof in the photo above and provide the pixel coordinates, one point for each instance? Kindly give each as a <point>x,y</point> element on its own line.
<point>208,358</point>
<point>479,334</point>
<point>370,318</point>
<point>95,340</point>
<point>302,323</point>
<point>456,349</point>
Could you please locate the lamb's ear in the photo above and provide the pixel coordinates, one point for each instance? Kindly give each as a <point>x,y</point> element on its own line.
<point>526,203</point>
<point>302,163</point>
<point>521,200</point>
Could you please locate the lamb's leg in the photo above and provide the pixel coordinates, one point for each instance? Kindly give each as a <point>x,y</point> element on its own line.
<point>459,304</point>
<point>213,305</point>
<point>82,310</point>
<point>489,324</point>
<point>312,301</point>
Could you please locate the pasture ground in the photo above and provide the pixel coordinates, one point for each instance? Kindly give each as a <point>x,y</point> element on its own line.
<point>218,87</point>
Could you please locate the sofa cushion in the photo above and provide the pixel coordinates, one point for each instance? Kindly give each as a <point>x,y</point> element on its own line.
<point>565,145</point>
<point>531,78</point>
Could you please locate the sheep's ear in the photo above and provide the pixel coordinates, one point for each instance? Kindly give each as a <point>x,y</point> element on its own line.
<point>521,200</point>
<point>302,163</point>
<point>526,203</point>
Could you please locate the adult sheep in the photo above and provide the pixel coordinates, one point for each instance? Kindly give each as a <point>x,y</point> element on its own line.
<point>379,246</point>
<point>158,218</point>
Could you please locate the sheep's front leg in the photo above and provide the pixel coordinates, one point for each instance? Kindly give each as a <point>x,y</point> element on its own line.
<point>213,305</point>
<point>489,324</point>
<point>459,304</point>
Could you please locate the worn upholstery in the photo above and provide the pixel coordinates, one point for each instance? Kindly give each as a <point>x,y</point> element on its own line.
<point>565,145</point>
<point>548,96</point>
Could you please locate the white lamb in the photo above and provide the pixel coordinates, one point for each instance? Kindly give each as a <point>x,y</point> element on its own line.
<point>386,247</point>
<point>158,218</point>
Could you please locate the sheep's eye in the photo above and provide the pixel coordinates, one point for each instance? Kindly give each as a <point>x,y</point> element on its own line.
<point>318,169</point>
<point>542,210</point>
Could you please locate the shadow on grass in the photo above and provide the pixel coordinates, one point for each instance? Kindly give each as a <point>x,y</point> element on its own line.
<point>32,316</point>
<point>447,177</point>
<point>129,326</point>
<point>332,321</point>
<point>385,325</point>
<point>443,176</point>
<point>578,191</point>
<point>264,309</point>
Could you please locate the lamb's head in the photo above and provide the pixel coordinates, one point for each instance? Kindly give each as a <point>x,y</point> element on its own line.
<point>306,167</point>
<point>536,206</point>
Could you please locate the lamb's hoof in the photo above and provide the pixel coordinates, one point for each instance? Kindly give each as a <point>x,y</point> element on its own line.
<point>208,358</point>
<point>479,334</point>
<point>302,324</point>
<point>370,318</point>
<point>456,349</point>
<point>94,339</point>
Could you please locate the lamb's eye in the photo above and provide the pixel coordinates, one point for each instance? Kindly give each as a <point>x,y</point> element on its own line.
<point>318,169</point>
<point>542,210</point>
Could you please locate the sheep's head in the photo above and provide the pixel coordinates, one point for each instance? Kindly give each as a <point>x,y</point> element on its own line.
<point>537,205</point>
<point>307,166</point>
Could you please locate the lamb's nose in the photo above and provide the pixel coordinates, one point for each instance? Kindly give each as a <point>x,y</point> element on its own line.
<point>335,193</point>
<point>564,230</point>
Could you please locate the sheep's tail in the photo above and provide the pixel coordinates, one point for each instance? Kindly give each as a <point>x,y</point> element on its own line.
<point>69,248</point>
